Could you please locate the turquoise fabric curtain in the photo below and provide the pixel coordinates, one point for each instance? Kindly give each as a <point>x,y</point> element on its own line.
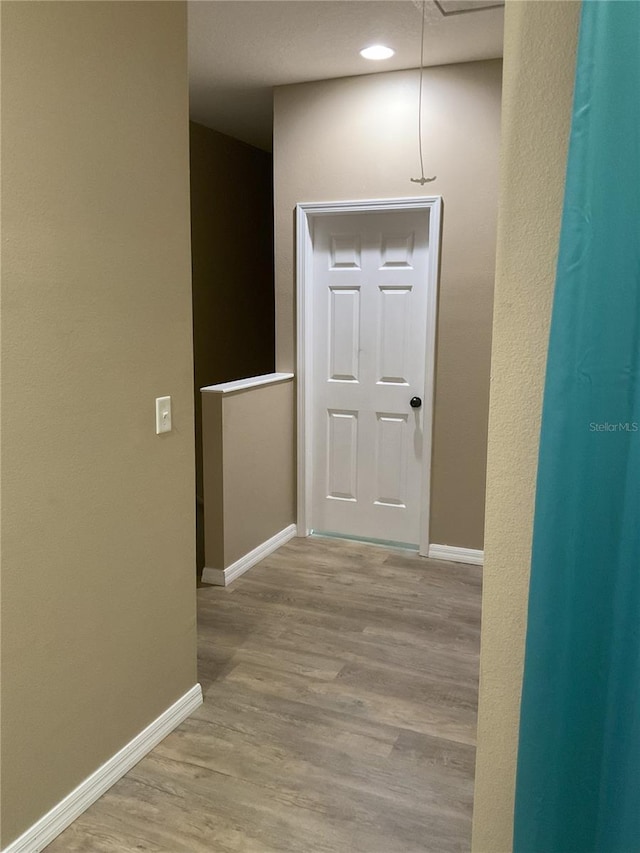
<point>578,780</point>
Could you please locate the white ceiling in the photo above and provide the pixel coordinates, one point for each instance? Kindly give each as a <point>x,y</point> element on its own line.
<point>240,49</point>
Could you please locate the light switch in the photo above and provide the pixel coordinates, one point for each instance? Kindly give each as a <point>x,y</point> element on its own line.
<point>163,414</point>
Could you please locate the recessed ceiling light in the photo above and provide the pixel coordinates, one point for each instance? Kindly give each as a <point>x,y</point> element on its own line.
<point>377,51</point>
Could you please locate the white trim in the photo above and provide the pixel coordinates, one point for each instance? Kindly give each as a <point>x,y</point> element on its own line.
<point>223,577</point>
<point>328,208</point>
<point>456,555</point>
<point>304,337</point>
<point>245,384</point>
<point>42,833</point>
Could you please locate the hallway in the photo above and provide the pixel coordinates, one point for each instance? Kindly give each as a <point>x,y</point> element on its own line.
<point>340,685</point>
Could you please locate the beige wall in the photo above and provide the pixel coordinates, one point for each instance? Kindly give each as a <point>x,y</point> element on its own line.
<point>258,485</point>
<point>212,520</point>
<point>232,258</point>
<point>539,62</point>
<point>356,138</point>
<point>249,493</point>
<point>98,599</point>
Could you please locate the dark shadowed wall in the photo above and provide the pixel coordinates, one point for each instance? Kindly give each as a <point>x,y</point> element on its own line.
<point>232,256</point>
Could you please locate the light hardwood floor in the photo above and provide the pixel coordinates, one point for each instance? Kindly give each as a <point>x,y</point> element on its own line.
<point>340,684</point>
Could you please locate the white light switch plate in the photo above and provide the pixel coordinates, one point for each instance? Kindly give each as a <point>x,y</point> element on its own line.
<point>163,414</point>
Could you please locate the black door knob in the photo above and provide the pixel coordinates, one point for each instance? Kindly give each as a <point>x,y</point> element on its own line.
<point>415,402</point>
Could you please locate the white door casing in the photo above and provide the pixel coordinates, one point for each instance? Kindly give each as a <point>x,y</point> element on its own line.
<point>367,296</point>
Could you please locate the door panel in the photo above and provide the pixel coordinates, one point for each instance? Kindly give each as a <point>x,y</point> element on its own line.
<point>370,279</point>
<point>344,333</point>
<point>342,455</point>
<point>345,251</point>
<point>391,460</point>
<point>397,250</point>
<point>394,343</point>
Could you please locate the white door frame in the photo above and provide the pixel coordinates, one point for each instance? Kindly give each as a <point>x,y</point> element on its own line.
<point>305,213</point>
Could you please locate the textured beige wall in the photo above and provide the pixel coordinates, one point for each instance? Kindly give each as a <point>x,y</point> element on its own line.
<point>212,523</point>
<point>233,301</point>
<point>259,486</point>
<point>249,493</point>
<point>356,138</point>
<point>98,598</point>
<point>539,63</point>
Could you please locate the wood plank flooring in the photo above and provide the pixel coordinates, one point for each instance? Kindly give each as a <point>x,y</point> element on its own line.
<point>340,684</point>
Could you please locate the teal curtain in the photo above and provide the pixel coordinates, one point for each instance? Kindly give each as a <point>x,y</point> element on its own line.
<point>578,779</point>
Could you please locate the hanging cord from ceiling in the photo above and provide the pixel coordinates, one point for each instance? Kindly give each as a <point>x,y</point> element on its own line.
<point>422,180</point>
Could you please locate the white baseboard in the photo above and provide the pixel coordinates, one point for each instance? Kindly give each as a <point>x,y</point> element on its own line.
<point>66,811</point>
<point>223,577</point>
<point>456,555</point>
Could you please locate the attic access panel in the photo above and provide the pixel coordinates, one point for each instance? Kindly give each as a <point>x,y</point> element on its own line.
<point>460,7</point>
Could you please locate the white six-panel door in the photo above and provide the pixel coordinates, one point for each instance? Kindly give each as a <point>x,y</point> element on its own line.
<point>369,304</point>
